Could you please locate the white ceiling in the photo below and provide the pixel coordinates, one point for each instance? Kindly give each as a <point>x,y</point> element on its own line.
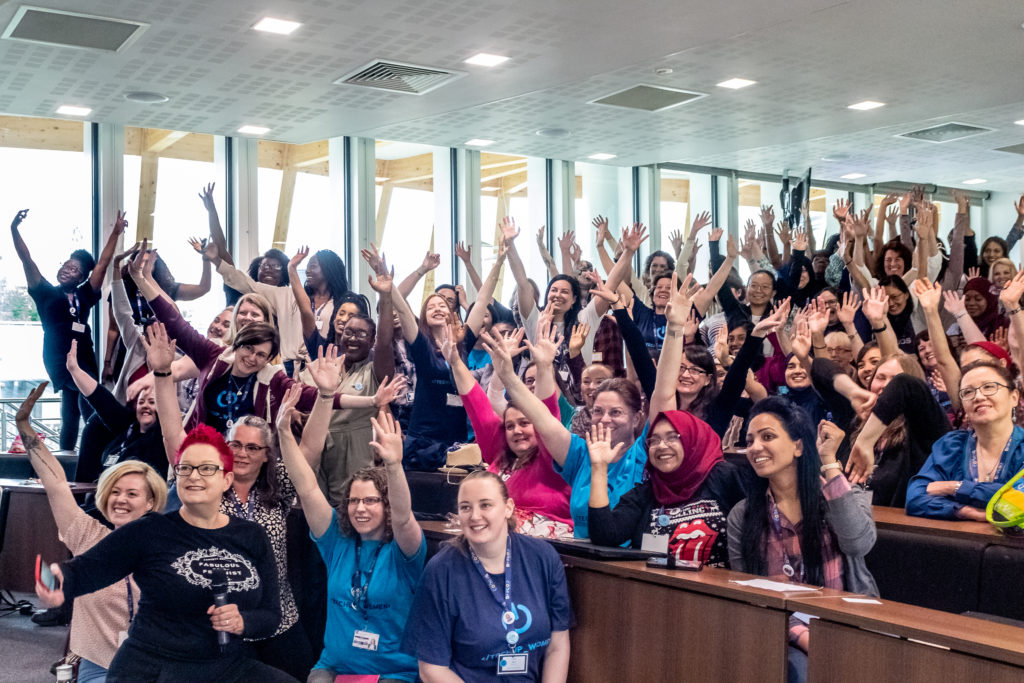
<point>930,62</point>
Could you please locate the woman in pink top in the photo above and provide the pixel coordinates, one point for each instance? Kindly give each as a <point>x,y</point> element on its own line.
<point>510,447</point>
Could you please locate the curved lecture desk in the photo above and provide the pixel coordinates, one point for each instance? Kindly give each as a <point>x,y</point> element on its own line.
<point>636,623</point>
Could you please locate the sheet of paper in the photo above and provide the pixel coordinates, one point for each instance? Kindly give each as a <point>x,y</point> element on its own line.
<point>777,586</point>
<point>863,601</point>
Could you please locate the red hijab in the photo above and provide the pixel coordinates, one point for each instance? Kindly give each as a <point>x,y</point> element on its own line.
<point>702,450</point>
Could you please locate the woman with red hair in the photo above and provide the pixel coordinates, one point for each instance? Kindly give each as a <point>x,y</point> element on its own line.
<point>682,505</point>
<point>181,561</point>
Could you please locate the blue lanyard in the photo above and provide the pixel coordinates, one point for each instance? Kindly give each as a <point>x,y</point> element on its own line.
<point>247,512</point>
<point>506,605</point>
<point>361,588</point>
<point>73,308</point>
<point>787,563</point>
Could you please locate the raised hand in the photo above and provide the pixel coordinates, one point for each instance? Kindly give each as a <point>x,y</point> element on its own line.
<point>575,254</point>
<point>136,265</point>
<point>198,246</point>
<point>580,332</point>
<point>876,305</point>
<point>800,240</point>
<point>129,253</point>
<point>211,252</point>
<point>500,356</point>
<point>633,237</point>
<point>731,250</point>
<point>599,445</point>
<point>387,437</point>
<point>373,259</point>
<point>120,223</point>
<point>1013,291</point>
<point>565,240</point>
<point>963,201</point>
<point>463,252</point>
<point>381,282</point>
<point>859,222</point>
<point>801,339</point>
<point>829,438</point>
<point>700,221</point>
<point>721,348</point>
<point>450,345</point>
<point>767,215</point>
<point>749,230</point>
<point>206,195</point>
<point>601,224</point>
<point>841,210</point>
<point>770,323</point>
<point>300,256</point>
<point>1019,207</point>
<point>328,370</point>
<point>159,348</point>
<point>678,307</point>
<point>973,273</point>
<point>817,316</point>
<point>23,418</point>
<point>545,348</point>
<point>509,231</point>
<point>715,235</point>
<point>20,216</point>
<point>892,214</point>
<point>999,338</point>
<point>928,295</point>
<point>286,412</point>
<point>692,324</point>
<point>676,239</point>
<point>784,232</point>
<point>887,201</point>
<point>846,312</point>
<point>430,261</point>
<point>953,302</point>
<point>389,391</point>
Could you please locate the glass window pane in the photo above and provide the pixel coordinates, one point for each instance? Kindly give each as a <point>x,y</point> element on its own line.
<point>601,191</point>
<point>683,196</point>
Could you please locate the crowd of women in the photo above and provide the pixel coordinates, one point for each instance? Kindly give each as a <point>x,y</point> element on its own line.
<point>749,425</point>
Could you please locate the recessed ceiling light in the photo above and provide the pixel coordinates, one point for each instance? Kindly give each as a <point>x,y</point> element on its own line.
<point>735,83</point>
<point>72,110</point>
<point>145,97</point>
<point>866,105</point>
<point>1020,123</point>
<point>601,156</point>
<point>975,181</point>
<point>280,26</point>
<point>253,130</point>
<point>485,59</point>
<point>852,176</point>
<point>478,142</point>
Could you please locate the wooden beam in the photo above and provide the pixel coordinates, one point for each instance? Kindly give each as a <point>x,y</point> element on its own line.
<point>32,133</point>
<point>428,281</point>
<point>284,203</point>
<point>418,166</point>
<point>502,174</point>
<point>382,212</point>
<point>147,197</point>
<point>309,154</point>
<point>191,146</point>
<point>675,190</point>
<point>158,141</point>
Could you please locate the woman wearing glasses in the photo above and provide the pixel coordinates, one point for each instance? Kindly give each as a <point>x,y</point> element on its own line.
<point>968,466</point>
<point>683,503</point>
<point>179,561</point>
<point>374,551</point>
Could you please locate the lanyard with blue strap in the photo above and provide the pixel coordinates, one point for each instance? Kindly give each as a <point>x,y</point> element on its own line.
<point>508,616</point>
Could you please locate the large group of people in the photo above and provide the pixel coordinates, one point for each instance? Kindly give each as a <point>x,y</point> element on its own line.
<point>748,424</point>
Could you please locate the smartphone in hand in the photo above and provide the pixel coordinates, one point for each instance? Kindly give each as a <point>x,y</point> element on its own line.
<point>44,575</point>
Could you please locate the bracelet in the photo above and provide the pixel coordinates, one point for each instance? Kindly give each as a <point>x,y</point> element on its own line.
<point>674,333</point>
<point>157,373</point>
<point>879,330</point>
<point>831,466</point>
<point>328,397</point>
<point>820,347</point>
<point>1014,311</point>
<point>960,315</point>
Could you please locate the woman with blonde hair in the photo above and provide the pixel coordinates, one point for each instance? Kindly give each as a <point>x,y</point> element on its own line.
<point>125,492</point>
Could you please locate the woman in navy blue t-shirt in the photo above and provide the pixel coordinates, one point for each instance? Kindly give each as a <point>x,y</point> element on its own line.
<point>501,595</point>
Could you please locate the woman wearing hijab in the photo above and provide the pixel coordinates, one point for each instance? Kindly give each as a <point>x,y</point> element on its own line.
<point>983,306</point>
<point>683,504</point>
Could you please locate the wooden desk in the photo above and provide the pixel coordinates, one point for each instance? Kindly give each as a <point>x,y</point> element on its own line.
<point>859,642</point>
<point>28,529</point>
<point>635,623</point>
<point>896,519</point>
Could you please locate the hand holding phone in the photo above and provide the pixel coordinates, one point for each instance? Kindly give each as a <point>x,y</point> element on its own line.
<point>44,576</point>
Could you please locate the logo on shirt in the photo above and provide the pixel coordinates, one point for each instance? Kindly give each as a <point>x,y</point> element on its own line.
<point>199,566</point>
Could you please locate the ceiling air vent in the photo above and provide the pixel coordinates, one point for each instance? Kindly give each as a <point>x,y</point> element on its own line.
<point>1012,149</point>
<point>649,98</point>
<point>946,132</point>
<point>410,79</point>
<point>71,29</point>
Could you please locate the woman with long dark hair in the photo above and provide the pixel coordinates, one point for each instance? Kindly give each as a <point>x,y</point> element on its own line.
<point>802,521</point>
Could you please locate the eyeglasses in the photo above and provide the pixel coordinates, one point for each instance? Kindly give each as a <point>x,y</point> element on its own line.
<point>668,440</point>
<point>250,448</point>
<point>361,335</point>
<point>529,381</point>
<point>986,389</point>
<point>838,349</point>
<point>260,355</point>
<point>759,288</point>
<point>185,471</point>
<point>270,264</point>
<point>692,370</point>
<point>368,501</point>
<point>830,304</point>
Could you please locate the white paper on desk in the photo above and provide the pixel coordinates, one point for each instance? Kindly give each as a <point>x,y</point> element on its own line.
<point>777,586</point>
<point>863,601</point>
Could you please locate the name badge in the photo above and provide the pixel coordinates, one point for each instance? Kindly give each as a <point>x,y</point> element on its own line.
<point>111,460</point>
<point>453,400</point>
<point>512,664</point>
<point>364,640</point>
<point>121,637</point>
<point>597,356</point>
<point>78,328</point>
<point>657,544</point>
<point>320,324</point>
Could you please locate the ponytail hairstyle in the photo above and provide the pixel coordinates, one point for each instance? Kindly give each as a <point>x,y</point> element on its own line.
<point>799,427</point>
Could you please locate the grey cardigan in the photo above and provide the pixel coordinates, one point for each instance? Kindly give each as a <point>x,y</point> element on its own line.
<point>851,520</point>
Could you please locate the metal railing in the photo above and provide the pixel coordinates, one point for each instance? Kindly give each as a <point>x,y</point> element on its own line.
<point>49,427</point>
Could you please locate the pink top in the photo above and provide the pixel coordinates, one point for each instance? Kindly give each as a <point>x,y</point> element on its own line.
<point>534,488</point>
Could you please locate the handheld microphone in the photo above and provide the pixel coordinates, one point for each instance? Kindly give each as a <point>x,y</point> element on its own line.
<point>219,586</point>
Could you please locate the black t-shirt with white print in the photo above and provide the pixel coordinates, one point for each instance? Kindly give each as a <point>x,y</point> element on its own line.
<point>173,564</point>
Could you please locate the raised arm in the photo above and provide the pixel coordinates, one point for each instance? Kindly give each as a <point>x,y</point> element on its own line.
<point>48,469</point>
<point>315,507</point>
<point>543,351</point>
<point>383,348</point>
<point>928,297</point>
<point>702,300</point>
<point>465,254</point>
<point>387,443</point>
<point>768,230</point>
<point>631,240</point>
<point>32,275</point>
<point>882,217</point>
<point>566,243</point>
<point>485,292</point>
<point>954,304</point>
<point>961,228</point>
<point>524,290</point>
<point>159,355</point>
<point>327,371</point>
<point>1010,297</point>
<point>550,431</point>
<point>103,262</point>
<point>676,311</point>
<point>406,317</point>
<point>187,292</point>
<point>216,231</point>
<point>875,306</point>
<point>85,382</point>
<point>430,262</point>
<point>299,292</point>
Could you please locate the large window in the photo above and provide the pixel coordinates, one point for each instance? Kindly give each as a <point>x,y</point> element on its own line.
<point>414,211</point>
<point>43,168</point>
<point>513,186</point>
<point>601,191</point>
<point>164,171</point>
<point>682,197</point>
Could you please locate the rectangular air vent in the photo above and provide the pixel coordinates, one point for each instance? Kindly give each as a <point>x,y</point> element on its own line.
<point>1012,149</point>
<point>649,98</point>
<point>946,132</point>
<point>72,29</point>
<point>410,79</point>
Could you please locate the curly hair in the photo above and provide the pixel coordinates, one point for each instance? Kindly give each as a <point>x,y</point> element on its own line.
<point>379,478</point>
